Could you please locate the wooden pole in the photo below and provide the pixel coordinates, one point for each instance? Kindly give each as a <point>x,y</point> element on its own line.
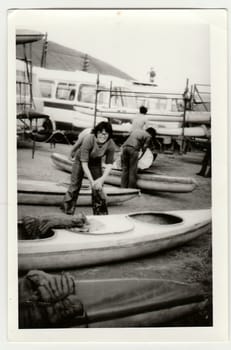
<point>96,98</point>
<point>110,94</point>
<point>185,97</point>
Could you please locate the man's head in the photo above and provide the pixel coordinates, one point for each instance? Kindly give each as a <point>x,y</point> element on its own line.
<point>151,132</point>
<point>143,110</point>
<point>103,132</point>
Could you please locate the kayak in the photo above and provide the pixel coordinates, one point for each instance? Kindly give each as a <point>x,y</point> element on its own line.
<point>148,181</point>
<point>110,238</point>
<point>145,180</point>
<point>136,302</point>
<point>51,193</point>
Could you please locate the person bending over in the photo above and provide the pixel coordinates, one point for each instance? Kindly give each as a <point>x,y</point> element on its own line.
<point>88,154</point>
<point>138,140</point>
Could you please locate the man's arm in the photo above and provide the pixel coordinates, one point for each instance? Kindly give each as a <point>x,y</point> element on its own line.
<point>87,173</point>
<point>146,144</point>
<point>98,183</point>
<point>74,148</point>
<point>79,141</point>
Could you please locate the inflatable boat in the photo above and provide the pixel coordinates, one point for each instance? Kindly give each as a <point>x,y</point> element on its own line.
<point>112,238</point>
<point>145,180</point>
<point>51,193</point>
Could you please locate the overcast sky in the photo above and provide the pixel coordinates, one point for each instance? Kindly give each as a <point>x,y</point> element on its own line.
<point>176,43</point>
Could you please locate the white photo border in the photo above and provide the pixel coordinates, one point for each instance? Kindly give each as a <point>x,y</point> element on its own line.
<point>220,193</point>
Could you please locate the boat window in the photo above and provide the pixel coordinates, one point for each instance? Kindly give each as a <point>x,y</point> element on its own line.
<point>177,105</point>
<point>66,91</point>
<point>87,95</point>
<point>103,98</point>
<point>161,103</point>
<point>46,87</point>
<point>121,97</point>
<point>116,100</point>
<point>158,103</point>
<point>129,99</point>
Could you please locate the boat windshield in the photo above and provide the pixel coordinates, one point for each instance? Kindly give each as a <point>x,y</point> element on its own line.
<point>165,104</point>
<point>115,98</point>
<point>87,95</point>
<point>123,98</point>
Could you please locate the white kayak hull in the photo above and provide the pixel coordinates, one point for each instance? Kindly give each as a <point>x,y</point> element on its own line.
<point>152,182</point>
<point>50,193</point>
<point>113,238</point>
<point>145,181</point>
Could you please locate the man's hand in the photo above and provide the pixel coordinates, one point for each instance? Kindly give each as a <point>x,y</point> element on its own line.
<point>98,184</point>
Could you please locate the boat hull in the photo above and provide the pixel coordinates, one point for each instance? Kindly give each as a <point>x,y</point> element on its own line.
<point>195,131</point>
<point>49,193</point>
<point>114,238</point>
<point>145,181</point>
<point>193,117</point>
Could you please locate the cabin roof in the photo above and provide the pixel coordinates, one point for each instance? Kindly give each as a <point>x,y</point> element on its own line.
<point>80,77</point>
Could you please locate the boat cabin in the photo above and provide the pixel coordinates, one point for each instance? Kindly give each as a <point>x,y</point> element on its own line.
<point>77,100</point>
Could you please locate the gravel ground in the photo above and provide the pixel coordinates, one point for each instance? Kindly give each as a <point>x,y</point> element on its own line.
<point>191,263</point>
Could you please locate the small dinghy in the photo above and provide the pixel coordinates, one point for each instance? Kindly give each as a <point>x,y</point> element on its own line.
<point>50,193</point>
<point>145,181</point>
<point>110,238</point>
<point>131,302</point>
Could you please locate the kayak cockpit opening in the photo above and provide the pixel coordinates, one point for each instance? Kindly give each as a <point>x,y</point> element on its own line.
<point>156,218</point>
<point>23,234</point>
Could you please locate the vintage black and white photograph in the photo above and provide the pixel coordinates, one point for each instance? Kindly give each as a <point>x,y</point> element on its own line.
<point>114,167</point>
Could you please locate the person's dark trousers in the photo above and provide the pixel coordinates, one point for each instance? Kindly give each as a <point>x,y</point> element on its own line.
<point>129,162</point>
<point>77,175</point>
<point>206,163</point>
